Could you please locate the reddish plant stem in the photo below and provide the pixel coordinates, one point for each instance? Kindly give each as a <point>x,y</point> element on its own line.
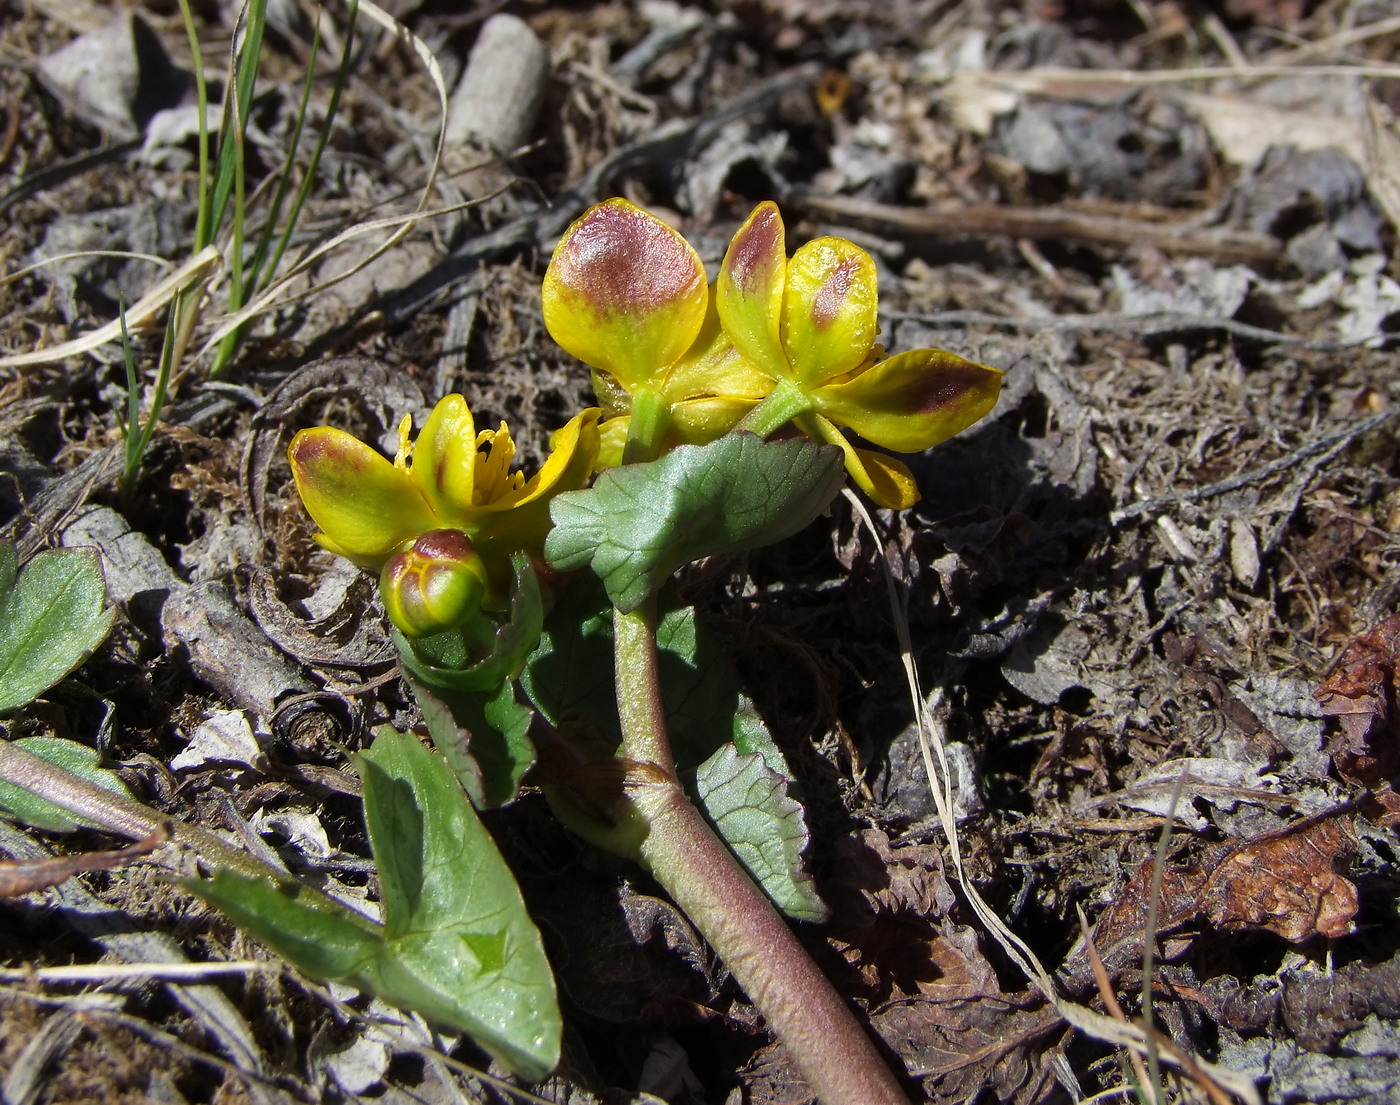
<point>702,876</point>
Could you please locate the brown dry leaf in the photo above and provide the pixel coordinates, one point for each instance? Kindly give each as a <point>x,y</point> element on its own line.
<point>1284,883</point>
<point>1360,694</point>
<point>19,876</point>
<point>964,1047</point>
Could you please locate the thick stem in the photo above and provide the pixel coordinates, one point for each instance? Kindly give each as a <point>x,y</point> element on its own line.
<point>116,813</point>
<point>803,1009</point>
<point>704,879</point>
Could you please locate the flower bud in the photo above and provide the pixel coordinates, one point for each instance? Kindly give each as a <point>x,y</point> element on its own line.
<point>435,585</point>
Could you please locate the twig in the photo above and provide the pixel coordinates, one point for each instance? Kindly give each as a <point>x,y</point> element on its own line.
<point>994,220</point>
<point>1116,322</point>
<point>115,972</point>
<point>1328,446</point>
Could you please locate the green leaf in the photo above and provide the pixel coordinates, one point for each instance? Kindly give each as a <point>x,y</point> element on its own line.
<point>52,616</point>
<point>82,761</point>
<point>454,659</point>
<point>462,946</point>
<point>323,938</point>
<point>570,680</point>
<point>749,805</point>
<point>485,740</point>
<point>456,945</point>
<point>639,522</point>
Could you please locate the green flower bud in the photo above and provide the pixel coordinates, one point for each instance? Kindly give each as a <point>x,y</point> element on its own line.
<point>435,585</point>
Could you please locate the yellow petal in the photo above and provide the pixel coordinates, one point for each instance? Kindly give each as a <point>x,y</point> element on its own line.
<point>713,366</point>
<point>700,421</point>
<point>521,519</point>
<point>366,507</point>
<point>886,480</point>
<point>912,401</point>
<point>749,291</point>
<point>612,440</point>
<point>624,293</point>
<point>829,310</point>
<point>444,459</point>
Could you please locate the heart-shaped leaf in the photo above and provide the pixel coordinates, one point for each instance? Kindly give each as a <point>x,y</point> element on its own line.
<point>639,522</point>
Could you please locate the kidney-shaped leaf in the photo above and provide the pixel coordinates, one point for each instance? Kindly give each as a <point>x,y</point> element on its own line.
<point>639,522</point>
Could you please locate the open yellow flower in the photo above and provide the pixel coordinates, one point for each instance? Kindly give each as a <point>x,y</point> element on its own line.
<point>452,478</point>
<point>626,294</point>
<point>809,324</point>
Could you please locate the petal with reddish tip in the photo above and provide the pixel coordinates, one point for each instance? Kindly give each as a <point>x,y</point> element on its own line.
<point>624,293</point>
<point>366,507</point>
<point>444,459</point>
<point>829,310</point>
<point>886,480</point>
<point>749,291</point>
<point>912,401</point>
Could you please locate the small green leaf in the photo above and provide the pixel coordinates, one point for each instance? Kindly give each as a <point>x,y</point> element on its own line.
<point>455,659</point>
<point>323,938</point>
<point>569,678</point>
<point>485,740</point>
<point>52,616</point>
<point>82,761</point>
<point>749,805</point>
<point>461,945</point>
<point>639,522</point>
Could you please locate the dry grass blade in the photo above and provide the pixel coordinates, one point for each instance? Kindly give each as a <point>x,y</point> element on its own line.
<point>102,973</point>
<point>932,744</point>
<point>199,271</point>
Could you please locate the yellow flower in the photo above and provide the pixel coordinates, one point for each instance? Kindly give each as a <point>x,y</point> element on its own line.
<point>775,341</point>
<point>452,478</point>
<point>626,294</point>
<point>809,324</point>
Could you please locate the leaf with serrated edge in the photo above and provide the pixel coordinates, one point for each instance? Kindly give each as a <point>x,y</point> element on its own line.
<point>750,806</point>
<point>82,761</point>
<point>570,680</point>
<point>52,616</point>
<point>462,945</point>
<point>639,522</point>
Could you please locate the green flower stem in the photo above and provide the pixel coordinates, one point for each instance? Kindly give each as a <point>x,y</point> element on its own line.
<point>784,403</point>
<point>651,416</point>
<point>118,814</point>
<point>703,878</point>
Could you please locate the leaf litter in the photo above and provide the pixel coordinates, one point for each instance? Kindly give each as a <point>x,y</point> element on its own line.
<point>1171,549</point>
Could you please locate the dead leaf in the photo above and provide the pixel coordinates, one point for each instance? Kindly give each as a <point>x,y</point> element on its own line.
<point>966,1047</point>
<point>1360,694</point>
<point>1284,882</point>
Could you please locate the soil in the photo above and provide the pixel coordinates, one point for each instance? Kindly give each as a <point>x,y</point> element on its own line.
<point>1151,597</point>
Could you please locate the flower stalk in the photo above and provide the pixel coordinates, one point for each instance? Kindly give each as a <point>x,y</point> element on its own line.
<point>702,876</point>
